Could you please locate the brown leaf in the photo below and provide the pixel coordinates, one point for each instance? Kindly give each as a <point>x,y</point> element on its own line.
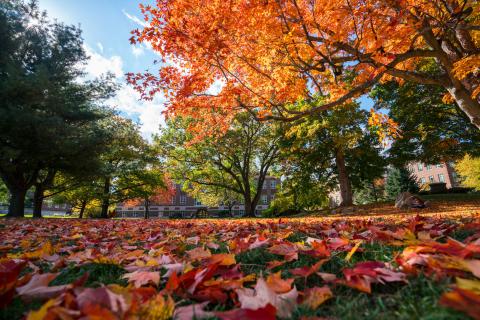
<point>140,278</point>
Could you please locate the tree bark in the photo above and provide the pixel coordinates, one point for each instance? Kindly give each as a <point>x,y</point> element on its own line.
<point>147,209</point>
<point>467,104</point>
<point>82,209</point>
<point>16,206</point>
<point>106,198</point>
<point>346,197</point>
<point>38,201</point>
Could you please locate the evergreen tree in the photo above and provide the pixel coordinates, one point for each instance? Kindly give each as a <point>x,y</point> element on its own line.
<point>400,180</point>
<point>48,118</point>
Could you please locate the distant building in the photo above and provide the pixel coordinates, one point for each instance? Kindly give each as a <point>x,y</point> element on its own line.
<point>435,173</point>
<point>184,206</point>
<point>55,209</point>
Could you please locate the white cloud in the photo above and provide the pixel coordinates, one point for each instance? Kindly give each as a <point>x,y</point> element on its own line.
<point>99,64</point>
<point>135,19</point>
<point>127,100</point>
<point>137,51</point>
<point>149,113</point>
<point>100,47</point>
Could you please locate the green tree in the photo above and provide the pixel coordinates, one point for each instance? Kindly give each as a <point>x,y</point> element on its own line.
<point>212,196</point>
<point>4,194</point>
<point>144,187</point>
<point>400,180</point>
<point>469,169</point>
<point>77,191</point>
<point>237,160</point>
<point>432,131</point>
<point>48,119</point>
<point>370,192</point>
<point>127,165</point>
<point>332,149</point>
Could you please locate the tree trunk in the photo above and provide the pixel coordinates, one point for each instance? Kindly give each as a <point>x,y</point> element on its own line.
<point>250,207</point>
<point>346,197</point>
<point>82,209</point>
<point>38,201</point>
<point>16,206</point>
<point>375,195</point>
<point>106,198</point>
<point>147,209</point>
<point>467,104</point>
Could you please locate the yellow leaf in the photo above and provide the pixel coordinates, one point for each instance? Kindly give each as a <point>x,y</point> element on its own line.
<point>42,312</point>
<point>354,249</point>
<point>466,284</point>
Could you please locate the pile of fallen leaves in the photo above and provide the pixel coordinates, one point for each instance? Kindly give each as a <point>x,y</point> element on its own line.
<point>196,269</point>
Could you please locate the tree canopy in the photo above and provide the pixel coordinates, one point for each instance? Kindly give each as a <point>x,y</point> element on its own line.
<point>267,54</point>
<point>238,160</point>
<point>49,120</point>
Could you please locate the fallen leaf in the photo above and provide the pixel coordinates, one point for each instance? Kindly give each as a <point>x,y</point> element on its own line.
<point>315,296</point>
<point>141,278</point>
<point>266,313</point>
<point>263,295</point>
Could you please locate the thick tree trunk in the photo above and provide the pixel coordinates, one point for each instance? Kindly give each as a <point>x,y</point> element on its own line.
<point>346,197</point>
<point>82,209</point>
<point>147,209</point>
<point>106,198</point>
<point>16,207</point>
<point>250,207</point>
<point>467,104</point>
<point>38,201</point>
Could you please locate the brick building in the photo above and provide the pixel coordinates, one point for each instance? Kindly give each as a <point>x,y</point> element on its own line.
<point>435,173</point>
<point>184,206</point>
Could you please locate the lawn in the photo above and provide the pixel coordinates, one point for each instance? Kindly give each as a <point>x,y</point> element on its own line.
<point>377,263</point>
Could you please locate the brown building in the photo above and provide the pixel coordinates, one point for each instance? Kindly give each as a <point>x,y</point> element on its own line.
<point>184,206</point>
<point>435,173</point>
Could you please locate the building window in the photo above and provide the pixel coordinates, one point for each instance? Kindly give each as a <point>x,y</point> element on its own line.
<point>264,199</point>
<point>198,202</point>
<point>429,167</point>
<point>183,200</point>
<point>441,177</point>
<point>273,184</point>
<point>264,186</point>
<point>431,178</point>
<point>439,165</point>
<point>423,180</point>
<point>420,167</point>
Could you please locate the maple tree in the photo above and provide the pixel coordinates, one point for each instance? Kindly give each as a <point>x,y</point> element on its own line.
<point>266,54</point>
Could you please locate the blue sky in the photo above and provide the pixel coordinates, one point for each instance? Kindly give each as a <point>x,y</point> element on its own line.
<point>106,26</point>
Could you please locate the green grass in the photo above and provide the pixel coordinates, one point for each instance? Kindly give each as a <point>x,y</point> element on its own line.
<point>98,274</point>
<point>17,309</point>
<point>416,300</point>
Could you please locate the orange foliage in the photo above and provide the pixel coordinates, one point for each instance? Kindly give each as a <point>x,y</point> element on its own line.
<point>161,195</point>
<point>266,54</point>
